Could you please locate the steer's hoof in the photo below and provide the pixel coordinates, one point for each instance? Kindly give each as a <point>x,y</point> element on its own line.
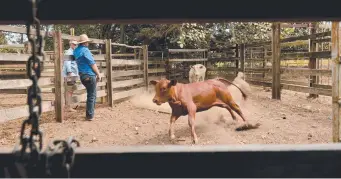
<point>247,126</point>
<point>195,141</point>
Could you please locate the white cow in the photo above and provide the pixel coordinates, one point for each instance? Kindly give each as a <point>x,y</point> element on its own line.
<point>197,73</point>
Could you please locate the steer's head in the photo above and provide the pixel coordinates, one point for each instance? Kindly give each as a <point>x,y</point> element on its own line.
<point>164,90</point>
<point>197,71</point>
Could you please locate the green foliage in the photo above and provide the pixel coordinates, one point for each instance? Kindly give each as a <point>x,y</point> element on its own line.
<point>3,41</point>
<point>185,35</point>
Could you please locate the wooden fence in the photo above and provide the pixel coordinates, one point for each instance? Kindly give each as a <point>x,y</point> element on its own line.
<point>130,72</point>
<point>178,62</point>
<point>127,77</point>
<point>306,70</point>
<point>224,63</point>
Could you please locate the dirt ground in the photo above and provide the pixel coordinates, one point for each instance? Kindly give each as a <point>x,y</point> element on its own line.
<point>293,120</point>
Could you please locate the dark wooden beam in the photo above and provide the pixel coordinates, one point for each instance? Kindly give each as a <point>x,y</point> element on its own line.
<point>153,11</point>
<point>298,161</point>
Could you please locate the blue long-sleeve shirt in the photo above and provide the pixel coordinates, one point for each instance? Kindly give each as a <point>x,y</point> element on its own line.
<point>70,66</point>
<point>84,60</point>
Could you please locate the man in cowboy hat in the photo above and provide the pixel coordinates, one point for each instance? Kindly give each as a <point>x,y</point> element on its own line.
<point>70,69</point>
<point>88,72</point>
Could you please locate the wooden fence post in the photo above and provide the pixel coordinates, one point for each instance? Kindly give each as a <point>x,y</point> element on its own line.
<point>265,51</point>
<point>236,60</point>
<point>59,80</point>
<point>336,85</point>
<point>108,52</point>
<point>145,65</point>
<point>276,61</point>
<point>312,61</point>
<point>242,59</point>
<point>101,70</point>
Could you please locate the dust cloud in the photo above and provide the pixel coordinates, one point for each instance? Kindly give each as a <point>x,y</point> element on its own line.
<point>214,116</point>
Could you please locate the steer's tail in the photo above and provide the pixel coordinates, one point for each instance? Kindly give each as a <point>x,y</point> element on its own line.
<point>229,82</point>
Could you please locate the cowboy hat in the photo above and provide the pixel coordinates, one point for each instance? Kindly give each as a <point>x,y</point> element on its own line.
<point>83,38</point>
<point>73,42</point>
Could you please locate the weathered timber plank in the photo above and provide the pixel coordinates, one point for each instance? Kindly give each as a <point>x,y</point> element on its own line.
<point>188,60</point>
<point>322,86</point>
<point>101,64</point>
<point>108,51</point>
<point>323,54</point>
<point>175,74</point>
<point>13,66</point>
<point>9,84</point>
<point>213,59</point>
<point>99,57</point>
<point>294,82</point>
<point>151,62</point>
<point>259,83</point>
<point>126,73</point>
<point>227,76</point>
<point>187,50</point>
<point>321,40</point>
<point>14,57</point>
<point>155,78</point>
<point>222,69</point>
<point>122,62</point>
<point>81,86</point>
<point>59,80</point>
<point>145,66</point>
<point>336,73</point>
<point>254,59</point>
<point>21,66</point>
<point>126,83</point>
<point>128,46</point>
<point>293,71</point>
<point>82,97</point>
<point>21,30</point>
<point>129,93</point>
<point>4,73</point>
<point>276,61</point>
<point>48,74</point>
<point>22,111</point>
<point>156,70</point>
<point>12,46</point>
<point>303,89</point>
<point>14,91</point>
<point>309,90</point>
<point>286,25</point>
<point>123,55</point>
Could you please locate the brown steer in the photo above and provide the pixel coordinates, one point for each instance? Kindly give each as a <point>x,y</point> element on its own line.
<point>187,99</point>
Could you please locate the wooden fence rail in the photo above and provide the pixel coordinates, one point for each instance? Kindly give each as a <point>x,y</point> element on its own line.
<point>126,74</point>
<point>256,61</point>
<point>124,79</point>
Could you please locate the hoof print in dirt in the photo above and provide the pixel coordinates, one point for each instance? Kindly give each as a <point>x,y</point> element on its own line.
<point>247,126</point>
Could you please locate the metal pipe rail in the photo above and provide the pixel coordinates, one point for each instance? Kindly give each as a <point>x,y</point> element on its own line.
<point>313,160</point>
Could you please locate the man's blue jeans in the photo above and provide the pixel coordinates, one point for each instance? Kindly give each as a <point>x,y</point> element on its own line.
<point>90,84</point>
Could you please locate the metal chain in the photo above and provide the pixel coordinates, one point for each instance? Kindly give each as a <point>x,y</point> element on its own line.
<point>68,157</point>
<point>31,164</point>
<point>34,68</point>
